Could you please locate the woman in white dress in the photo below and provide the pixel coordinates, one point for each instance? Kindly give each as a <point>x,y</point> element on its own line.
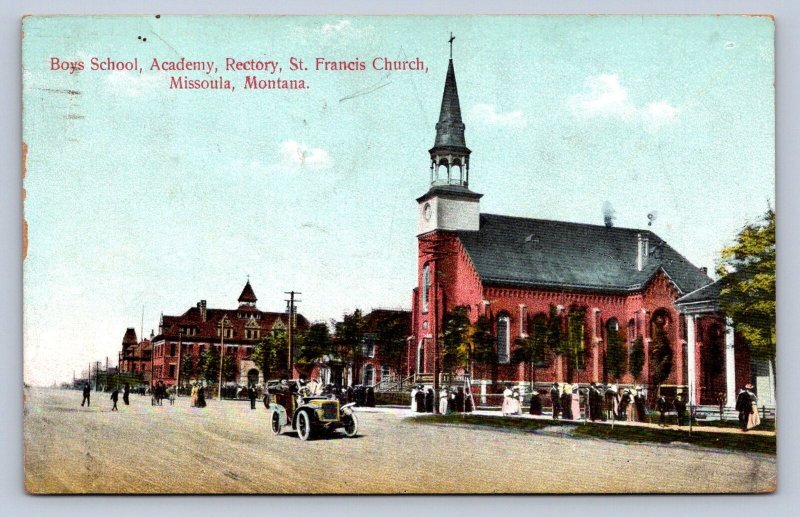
<point>414,399</point>
<point>508,403</point>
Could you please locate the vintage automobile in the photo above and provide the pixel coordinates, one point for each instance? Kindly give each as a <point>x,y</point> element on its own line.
<point>311,416</point>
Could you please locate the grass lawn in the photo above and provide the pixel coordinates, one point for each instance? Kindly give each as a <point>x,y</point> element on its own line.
<point>728,441</point>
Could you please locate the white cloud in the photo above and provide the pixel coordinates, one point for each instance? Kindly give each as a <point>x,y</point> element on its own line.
<point>606,97</point>
<point>131,84</point>
<point>296,154</point>
<point>335,27</point>
<point>488,114</point>
<point>657,114</point>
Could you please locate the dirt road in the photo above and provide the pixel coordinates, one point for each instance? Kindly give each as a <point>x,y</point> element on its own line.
<point>227,448</point>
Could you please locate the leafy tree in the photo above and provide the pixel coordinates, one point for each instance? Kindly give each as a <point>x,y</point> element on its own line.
<point>188,367</point>
<point>553,333</point>
<point>615,354</point>
<point>747,293</point>
<point>531,349</point>
<point>574,344</point>
<point>349,339</point>
<point>484,349</point>
<point>209,364</point>
<point>637,357</point>
<point>455,343</point>
<point>228,367</point>
<point>313,344</point>
<point>271,354</point>
<point>660,356</point>
<point>391,339</point>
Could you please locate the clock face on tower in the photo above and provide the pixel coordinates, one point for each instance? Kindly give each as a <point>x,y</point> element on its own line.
<point>426,211</point>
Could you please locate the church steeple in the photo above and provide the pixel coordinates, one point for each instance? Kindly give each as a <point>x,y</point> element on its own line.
<point>449,204</point>
<point>450,155</point>
<point>248,296</point>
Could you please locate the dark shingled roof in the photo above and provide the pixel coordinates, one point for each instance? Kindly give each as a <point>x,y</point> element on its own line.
<point>518,251</point>
<point>129,339</point>
<point>248,295</point>
<point>450,128</point>
<point>709,293</point>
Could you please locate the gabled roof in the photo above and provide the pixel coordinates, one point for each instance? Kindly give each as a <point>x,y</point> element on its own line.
<point>708,293</point>
<point>248,295</point>
<point>525,252</point>
<point>379,317</point>
<point>237,319</point>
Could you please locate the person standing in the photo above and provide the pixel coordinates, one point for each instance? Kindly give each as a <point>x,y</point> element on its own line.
<point>194,394</point>
<point>566,402</point>
<point>126,392</point>
<point>680,408</point>
<point>640,400</point>
<point>443,395</point>
<point>252,394</point>
<point>575,398</point>
<point>414,399</point>
<point>508,404</point>
<point>753,419</point>
<point>536,403</point>
<point>420,400</point>
<point>87,392</point>
<point>114,399</point>
<point>201,396</point>
<point>556,400</point>
<point>429,397</point>
<point>172,392</point>
<point>595,403</point>
<point>662,407</point>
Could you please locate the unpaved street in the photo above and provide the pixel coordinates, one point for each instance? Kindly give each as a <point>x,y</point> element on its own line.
<point>227,448</point>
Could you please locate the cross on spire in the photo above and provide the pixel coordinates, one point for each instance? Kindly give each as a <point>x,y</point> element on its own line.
<point>451,44</point>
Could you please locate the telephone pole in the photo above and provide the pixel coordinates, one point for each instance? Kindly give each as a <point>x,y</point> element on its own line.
<point>221,356</point>
<point>291,309</point>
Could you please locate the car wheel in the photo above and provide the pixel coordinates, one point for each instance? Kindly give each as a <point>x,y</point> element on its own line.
<point>276,423</point>
<point>304,426</point>
<point>350,425</point>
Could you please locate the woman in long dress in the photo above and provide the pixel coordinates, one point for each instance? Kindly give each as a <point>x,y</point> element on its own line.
<point>201,397</point>
<point>576,403</point>
<point>414,399</point>
<point>536,403</point>
<point>566,403</point>
<point>753,419</point>
<point>507,406</point>
<point>194,395</point>
<point>633,411</point>
<point>443,395</point>
<point>516,402</point>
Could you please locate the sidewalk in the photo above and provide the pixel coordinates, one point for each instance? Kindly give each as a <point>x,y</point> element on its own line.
<point>406,412</point>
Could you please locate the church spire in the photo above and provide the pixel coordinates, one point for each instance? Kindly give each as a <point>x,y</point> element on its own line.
<point>450,155</point>
<point>248,296</point>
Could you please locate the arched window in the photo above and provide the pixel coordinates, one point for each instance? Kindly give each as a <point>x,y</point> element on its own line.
<point>503,339</point>
<point>369,375</point>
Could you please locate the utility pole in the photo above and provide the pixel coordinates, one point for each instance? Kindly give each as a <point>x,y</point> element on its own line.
<point>221,356</point>
<point>105,376</point>
<point>291,308</point>
<point>178,369</point>
<point>97,376</point>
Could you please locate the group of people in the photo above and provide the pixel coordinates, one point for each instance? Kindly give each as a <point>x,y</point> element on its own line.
<point>452,400</point>
<point>512,401</point>
<point>566,401</point>
<point>126,393</point>
<point>198,395</point>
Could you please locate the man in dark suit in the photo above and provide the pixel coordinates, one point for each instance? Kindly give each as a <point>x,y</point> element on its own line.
<point>87,391</point>
<point>680,408</point>
<point>555,395</point>
<point>252,393</point>
<point>114,399</point>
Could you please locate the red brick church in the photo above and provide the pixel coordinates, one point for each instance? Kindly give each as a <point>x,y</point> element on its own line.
<point>516,271</point>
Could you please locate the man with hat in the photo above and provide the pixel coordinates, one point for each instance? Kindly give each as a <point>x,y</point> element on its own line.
<point>536,403</point>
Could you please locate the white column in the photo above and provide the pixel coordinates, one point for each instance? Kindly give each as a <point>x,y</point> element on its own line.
<point>690,350</point>
<point>730,365</point>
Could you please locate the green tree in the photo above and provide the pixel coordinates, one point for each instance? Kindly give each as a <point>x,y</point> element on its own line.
<point>660,357</point>
<point>531,350</point>
<point>188,368</point>
<point>637,357</point>
<point>484,345</point>
<point>615,354</point>
<point>209,364</point>
<point>349,340</point>
<point>312,345</point>
<point>455,342</point>
<point>228,367</point>
<point>747,293</point>
<point>575,345</point>
<point>391,339</point>
<point>271,354</point>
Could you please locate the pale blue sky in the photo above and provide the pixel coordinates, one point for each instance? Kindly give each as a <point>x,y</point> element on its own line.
<point>142,196</point>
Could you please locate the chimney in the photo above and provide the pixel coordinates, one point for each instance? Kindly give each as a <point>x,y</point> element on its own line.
<point>704,270</point>
<point>203,310</point>
<point>639,246</point>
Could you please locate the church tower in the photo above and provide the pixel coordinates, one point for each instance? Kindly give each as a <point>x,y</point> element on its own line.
<point>449,204</point>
